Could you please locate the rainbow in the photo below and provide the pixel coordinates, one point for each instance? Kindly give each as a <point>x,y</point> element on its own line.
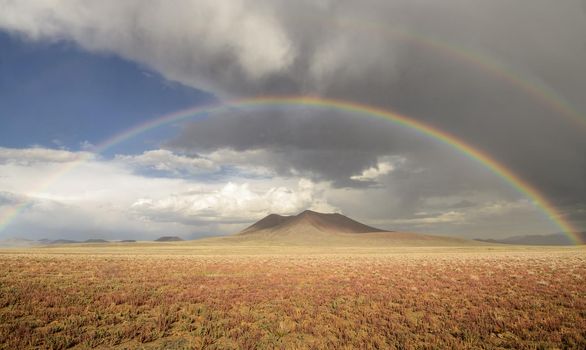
<point>473,153</point>
<point>537,91</point>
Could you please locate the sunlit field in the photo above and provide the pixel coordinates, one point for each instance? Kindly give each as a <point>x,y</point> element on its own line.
<point>190,297</point>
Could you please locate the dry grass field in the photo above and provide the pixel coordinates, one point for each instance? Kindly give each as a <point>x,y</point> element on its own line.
<point>178,296</point>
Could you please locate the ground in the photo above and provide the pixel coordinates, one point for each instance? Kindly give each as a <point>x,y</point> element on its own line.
<point>181,295</point>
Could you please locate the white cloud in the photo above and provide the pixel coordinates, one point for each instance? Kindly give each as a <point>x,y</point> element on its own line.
<point>251,162</point>
<point>53,219</point>
<point>373,173</point>
<point>105,198</point>
<point>86,146</point>
<point>263,46</point>
<point>28,156</point>
<point>167,161</point>
<point>99,197</point>
<point>233,202</point>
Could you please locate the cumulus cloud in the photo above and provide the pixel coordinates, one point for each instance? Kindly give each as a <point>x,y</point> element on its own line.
<point>105,198</point>
<point>253,162</point>
<point>232,203</point>
<point>373,173</point>
<point>29,156</point>
<point>168,162</point>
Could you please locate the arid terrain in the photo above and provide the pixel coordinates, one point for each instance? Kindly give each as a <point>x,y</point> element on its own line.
<point>182,295</point>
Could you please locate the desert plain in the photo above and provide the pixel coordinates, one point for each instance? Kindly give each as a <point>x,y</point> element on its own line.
<point>215,294</point>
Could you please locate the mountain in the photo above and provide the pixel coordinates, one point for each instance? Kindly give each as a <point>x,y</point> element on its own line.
<point>553,239</point>
<point>313,228</point>
<point>324,222</point>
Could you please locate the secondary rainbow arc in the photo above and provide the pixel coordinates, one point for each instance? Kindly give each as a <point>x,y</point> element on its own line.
<point>538,91</point>
<point>489,162</point>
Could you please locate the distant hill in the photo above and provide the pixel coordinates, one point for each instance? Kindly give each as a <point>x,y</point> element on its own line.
<point>95,240</point>
<point>553,239</point>
<point>63,241</point>
<point>71,241</point>
<point>169,239</point>
<point>313,228</point>
<point>20,242</point>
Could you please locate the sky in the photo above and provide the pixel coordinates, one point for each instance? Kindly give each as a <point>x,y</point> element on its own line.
<point>507,78</point>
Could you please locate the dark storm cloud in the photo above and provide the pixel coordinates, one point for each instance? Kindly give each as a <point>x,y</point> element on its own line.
<point>359,51</point>
<point>329,145</point>
<point>324,145</point>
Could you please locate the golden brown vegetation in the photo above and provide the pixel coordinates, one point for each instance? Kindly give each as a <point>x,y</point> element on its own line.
<point>472,299</point>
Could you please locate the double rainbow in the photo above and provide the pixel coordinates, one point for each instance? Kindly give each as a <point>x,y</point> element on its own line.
<point>473,153</point>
